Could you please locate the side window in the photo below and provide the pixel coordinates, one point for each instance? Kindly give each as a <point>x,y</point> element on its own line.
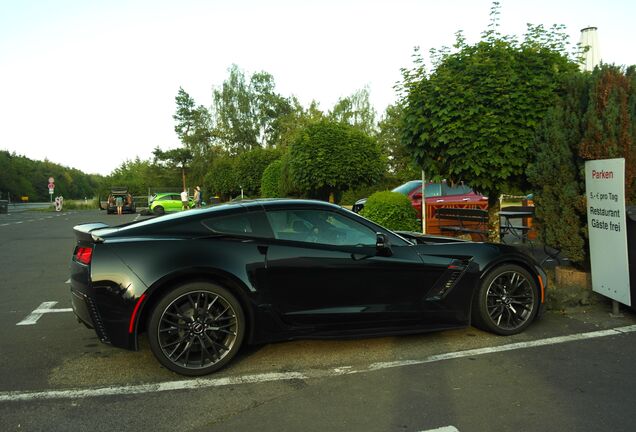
<point>433,190</point>
<point>319,226</point>
<point>250,224</point>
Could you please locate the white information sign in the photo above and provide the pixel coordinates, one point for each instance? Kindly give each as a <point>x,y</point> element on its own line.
<point>605,190</point>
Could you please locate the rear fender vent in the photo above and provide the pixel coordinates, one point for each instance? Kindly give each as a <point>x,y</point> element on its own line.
<point>97,320</point>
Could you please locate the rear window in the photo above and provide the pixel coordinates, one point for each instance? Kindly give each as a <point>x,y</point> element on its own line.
<point>433,190</point>
<point>408,187</point>
<point>458,189</point>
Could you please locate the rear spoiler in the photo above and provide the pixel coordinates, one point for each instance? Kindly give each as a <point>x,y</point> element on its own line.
<point>83,232</point>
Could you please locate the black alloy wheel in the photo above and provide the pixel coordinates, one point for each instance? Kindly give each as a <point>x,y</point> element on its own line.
<point>507,300</point>
<point>196,329</point>
<point>159,210</point>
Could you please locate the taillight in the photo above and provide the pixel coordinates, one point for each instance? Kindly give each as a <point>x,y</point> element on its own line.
<point>83,254</point>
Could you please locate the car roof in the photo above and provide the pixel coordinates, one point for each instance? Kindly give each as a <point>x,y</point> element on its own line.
<point>230,207</point>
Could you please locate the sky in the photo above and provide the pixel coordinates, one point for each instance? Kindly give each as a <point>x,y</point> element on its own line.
<point>90,84</point>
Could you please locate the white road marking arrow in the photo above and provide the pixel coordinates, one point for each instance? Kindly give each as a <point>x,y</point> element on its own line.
<point>46,307</point>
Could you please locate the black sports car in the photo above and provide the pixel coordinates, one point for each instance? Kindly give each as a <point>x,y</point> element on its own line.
<point>204,282</point>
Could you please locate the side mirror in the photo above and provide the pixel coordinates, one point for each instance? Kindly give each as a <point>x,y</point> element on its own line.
<point>382,245</point>
<point>417,196</point>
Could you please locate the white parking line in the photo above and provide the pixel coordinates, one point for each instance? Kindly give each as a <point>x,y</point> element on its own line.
<point>443,429</point>
<point>46,307</point>
<point>201,383</point>
<point>508,347</point>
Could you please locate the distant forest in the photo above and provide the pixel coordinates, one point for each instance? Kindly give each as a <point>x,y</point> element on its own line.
<point>24,177</point>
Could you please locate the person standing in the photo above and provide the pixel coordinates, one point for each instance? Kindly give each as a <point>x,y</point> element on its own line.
<point>184,200</point>
<point>119,202</point>
<point>197,197</point>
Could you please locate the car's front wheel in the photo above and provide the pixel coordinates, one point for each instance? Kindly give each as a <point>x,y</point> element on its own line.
<point>507,300</point>
<point>196,329</point>
<point>158,210</point>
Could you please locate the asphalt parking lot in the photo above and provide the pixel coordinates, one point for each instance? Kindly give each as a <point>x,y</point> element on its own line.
<point>572,370</point>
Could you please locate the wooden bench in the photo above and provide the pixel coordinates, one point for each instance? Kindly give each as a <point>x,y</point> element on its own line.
<point>468,221</point>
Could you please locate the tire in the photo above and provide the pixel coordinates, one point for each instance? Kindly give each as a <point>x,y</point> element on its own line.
<point>158,210</point>
<point>196,329</point>
<point>507,300</point>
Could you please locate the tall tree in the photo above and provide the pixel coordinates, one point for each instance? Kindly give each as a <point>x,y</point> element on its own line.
<point>401,162</point>
<point>595,118</point>
<point>560,205</point>
<point>611,121</point>
<point>247,113</point>
<point>473,118</point>
<point>355,110</point>
<point>194,129</point>
<point>178,158</point>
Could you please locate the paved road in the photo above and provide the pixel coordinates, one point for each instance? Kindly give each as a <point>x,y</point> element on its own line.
<point>569,371</point>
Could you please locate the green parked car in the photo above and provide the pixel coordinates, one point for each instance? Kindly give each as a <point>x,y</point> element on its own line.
<point>167,202</point>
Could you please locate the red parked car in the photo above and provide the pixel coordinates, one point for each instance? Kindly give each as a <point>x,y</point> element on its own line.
<point>435,193</point>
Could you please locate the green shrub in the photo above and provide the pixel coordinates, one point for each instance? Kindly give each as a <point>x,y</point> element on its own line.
<point>250,166</point>
<point>271,180</point>
<point>91,204</point>
<point>222,179</point>
<point>391,210</point>
<point>328,157</point>
<point>387,183</point>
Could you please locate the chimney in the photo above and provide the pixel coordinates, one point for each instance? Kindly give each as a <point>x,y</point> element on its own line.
<point>592,57</point>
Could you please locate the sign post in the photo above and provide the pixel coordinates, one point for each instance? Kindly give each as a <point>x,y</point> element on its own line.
<point>423,203</point>
<point>51,188</point>
<point>605,191</point>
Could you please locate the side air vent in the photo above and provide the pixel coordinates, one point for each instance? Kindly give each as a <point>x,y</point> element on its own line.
<point>448,280</point>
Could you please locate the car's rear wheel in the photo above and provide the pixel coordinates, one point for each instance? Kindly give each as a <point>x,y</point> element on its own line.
<point>507,300</point>
<point>159,210</point>
<point>196,329</point>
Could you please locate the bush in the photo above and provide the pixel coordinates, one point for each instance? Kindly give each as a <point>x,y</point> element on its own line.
<point>387,183</point>
<point>91,204</point>
<point>250,166</point>
<point>222,180</point>
<point>271,180</point>
<point>391,210</point>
